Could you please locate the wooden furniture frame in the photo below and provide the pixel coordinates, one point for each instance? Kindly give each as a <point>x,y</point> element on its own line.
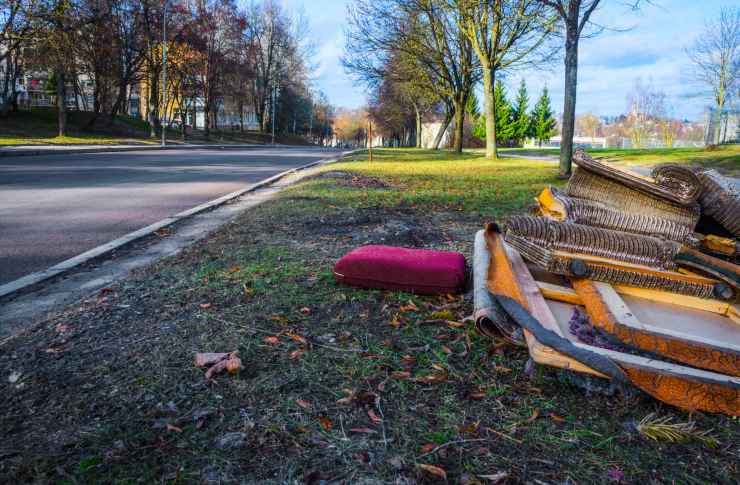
<point>682,386</point>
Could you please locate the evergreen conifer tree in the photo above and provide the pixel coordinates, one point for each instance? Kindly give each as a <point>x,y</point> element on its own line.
<point>504,115</point>
<point>521,120</point>
<point>543,122</point>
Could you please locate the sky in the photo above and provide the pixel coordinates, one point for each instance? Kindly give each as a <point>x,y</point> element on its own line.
<point>649,44</point>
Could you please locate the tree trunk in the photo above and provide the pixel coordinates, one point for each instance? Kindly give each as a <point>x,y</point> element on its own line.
<point>120,100</point>
<point>61,103</point>
<point>418,126</point>
<point>569,108</point>
<point>207,119</point>
<point>183,120</point>
<point>153,115</point>
<point>489,81</point>
<point>5,107</point>
<point>241,117</point>
<point>718,129</point>
<point>459,124</point>
<point>442,129</point>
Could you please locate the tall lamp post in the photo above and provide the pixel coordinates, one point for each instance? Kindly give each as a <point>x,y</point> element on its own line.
<point>164,74</point>
<point>274,103</point>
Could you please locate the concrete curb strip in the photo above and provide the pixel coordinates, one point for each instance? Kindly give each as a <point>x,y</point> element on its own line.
<point>64,266</point>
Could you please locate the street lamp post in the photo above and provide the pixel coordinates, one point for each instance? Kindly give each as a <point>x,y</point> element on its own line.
<point>164,74</point>
<point>274,103</point>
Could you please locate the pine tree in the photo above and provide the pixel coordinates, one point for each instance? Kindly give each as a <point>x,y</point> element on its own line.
<point>472,108</point>
<point>543,122</point>
<point>504,118</point>
<point>521,120</point>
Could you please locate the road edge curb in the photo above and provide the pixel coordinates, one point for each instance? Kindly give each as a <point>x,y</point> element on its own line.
<point>39,276</point>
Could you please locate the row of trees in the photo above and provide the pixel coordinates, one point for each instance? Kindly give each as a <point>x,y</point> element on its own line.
<point>255,56</point>
<point>715,58</point>
<point>514,122</point>
<point>431,54</point>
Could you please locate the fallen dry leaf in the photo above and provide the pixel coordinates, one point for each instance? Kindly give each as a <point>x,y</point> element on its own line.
<point>557,419</point>
<point>351,397</point>
<point>471,428</point>
<point>205,306</point>
<point>305,310</point>
<point>447,350</point>
<point>411,307</point>
<point>297,338</point>
<point>374,417</point>
<point>233,364</point>
<point>303,404</point>
<point>395,322</point>
<point>204,359</point>
<point>426,448</point>
<point>247,290</point>
<point>433,470</point>
<point>172,427</point>
<point>401,375</point>
<point>453,324</point>
<point>296,354</point>
<point>408,360</point>
<point>326,423</point>
<point>272,340</point>
<point>477,396</point>
<point>217,368</point>
<point>278,318</point>
<point>431,378</point>
<point>362,430</point>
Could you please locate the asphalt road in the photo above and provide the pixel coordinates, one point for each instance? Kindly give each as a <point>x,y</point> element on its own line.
<point>54,207</point>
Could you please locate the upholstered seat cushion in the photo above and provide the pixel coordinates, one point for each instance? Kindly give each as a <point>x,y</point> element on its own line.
<point>412,270</point>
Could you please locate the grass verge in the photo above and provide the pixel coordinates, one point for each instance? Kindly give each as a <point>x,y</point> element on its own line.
<point>39,127</point>
<point>339,384</point>
<point>725,158</point>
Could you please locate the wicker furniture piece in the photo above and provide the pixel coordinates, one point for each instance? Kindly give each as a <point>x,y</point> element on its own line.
<point>720,200</point>
<point>560,207</point>
<point>619,257</point>
<point>677,186</point>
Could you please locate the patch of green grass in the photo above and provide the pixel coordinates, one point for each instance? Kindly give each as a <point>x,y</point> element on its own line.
<point>725,158</point>
<point>438,180</point>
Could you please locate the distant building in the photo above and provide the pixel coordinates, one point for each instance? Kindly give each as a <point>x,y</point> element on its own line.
<point>578,142</point>
<point>722,127</point>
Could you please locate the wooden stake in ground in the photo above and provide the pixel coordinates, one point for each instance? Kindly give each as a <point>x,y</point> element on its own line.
<point>370,141</point>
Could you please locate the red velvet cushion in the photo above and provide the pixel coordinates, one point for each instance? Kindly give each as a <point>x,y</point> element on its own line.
<point>412,270</point>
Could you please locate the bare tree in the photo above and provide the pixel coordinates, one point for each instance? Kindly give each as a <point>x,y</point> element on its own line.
<point>504,34</point>
<point>716,59</point>
<point>588,125</point>
<point>646,106</point>
<point>17,24</point>
<point>575,15</point>
<point>426,31</point>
